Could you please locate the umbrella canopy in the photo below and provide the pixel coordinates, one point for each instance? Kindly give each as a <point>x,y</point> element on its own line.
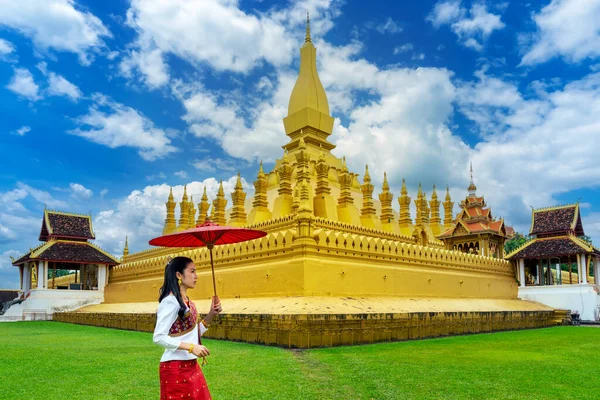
<point>208,234</point>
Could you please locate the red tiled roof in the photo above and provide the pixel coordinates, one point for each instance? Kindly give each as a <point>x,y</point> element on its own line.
<point>76,252</point>
<point>552,247</point>
<point>559,219</point>
<point>65,225</point>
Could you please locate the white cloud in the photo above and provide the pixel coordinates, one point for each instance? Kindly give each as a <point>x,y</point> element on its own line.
<point>471,27</point>
<point>150,63</point>
<point>403,49</point>
<point>565,28</point>
<point>81,192</point>
<point>55,24</point>
<point>445,13</point>
<point>22,83</point>
<point>22,130</point>
<point>59,86</point>
<point>389,26</point>
<point>6,47</point>
<point>216,33</point>
<point>103,193</point>
<point>115,125</point>
<point>419,57</point>
<point>181,174</point>
<point>549,142</point>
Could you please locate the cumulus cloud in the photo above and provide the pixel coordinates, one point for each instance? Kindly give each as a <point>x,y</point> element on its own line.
<point>6,48</point>
<point>215,33</point>
<point>472,27</point>
<point>80,192</point>
<point>59,86</point>
<point>56,24</point>
<point>23,84</point>
<point>565,28</point>
<point>115,125</point>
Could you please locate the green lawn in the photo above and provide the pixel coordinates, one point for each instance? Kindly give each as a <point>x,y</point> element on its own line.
<point>51,360</point>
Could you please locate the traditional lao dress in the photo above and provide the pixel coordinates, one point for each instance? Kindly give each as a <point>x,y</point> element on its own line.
<point>180,374</point>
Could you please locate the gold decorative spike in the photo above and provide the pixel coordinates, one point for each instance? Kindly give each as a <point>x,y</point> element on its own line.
<point>322,169</point>
<point>203,207</point>
<point>219,205</point>
<point>170,222</point>
<point>191,213</point>
<point>435,208</point>
<point>238,198</point>
<point>404,201</point>
<point>448,206</point>
<point>260,189</point>
<point>386,197</point>
<point>368,208</point>
<point>184,210</point>
<point>126,249</point>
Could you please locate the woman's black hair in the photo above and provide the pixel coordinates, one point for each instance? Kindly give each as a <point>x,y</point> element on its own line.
<point>170,285</point>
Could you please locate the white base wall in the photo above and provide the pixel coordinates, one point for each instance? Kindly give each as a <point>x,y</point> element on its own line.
<point>581,298</point>
<point>42,303</point>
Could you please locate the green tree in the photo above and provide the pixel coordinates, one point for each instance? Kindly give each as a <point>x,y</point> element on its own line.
<point>515,242</point>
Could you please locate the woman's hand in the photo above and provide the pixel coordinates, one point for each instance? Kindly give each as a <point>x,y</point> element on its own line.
<point>200,351</point>
<point>215,307</point>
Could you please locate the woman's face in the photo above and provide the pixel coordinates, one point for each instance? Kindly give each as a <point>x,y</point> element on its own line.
<point>189,277</point>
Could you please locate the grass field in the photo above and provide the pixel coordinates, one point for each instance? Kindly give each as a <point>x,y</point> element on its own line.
<point>51,360</point>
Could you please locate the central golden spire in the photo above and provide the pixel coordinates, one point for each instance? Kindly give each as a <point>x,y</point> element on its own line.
<point>308,109</point>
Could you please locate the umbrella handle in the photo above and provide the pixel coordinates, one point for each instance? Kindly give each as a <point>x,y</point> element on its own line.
<point>212,266</point>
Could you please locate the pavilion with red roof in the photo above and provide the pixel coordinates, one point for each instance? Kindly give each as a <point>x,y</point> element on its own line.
<point>66,244</point>
<point>557,266</point>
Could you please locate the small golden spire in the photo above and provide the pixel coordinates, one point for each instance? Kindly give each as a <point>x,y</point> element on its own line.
<point>307,39</point>
<point>126,249</point>
<point>385,185</point>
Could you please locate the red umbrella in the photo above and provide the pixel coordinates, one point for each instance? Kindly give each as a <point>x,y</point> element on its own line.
<point>208,234</point>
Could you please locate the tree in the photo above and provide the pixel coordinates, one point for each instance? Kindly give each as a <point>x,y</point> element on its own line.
<point>515,242</point>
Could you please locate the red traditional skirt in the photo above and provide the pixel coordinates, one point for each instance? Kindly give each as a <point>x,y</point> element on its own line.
<point>182,380</point>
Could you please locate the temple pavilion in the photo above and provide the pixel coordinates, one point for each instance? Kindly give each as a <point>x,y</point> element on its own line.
<point>65,244</point>
<point>475,230</point>
<point>557,267</point>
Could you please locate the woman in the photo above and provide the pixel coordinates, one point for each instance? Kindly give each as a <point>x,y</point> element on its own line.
<point>178,331</point>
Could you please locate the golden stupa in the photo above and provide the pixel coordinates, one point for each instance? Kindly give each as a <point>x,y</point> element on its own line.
<point>338,266</point>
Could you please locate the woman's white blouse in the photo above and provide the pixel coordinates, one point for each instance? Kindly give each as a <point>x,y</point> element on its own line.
<point>166,315</point>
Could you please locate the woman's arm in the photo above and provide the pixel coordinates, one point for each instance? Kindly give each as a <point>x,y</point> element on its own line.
<point>165,316</point>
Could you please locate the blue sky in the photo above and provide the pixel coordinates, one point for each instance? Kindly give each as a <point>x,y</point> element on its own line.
<point>107,104</point>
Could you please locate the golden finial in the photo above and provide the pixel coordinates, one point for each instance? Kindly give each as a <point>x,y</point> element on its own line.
<point>302,144</point>
<point>385,185</point>
<point>307,39</point>
<point>447,193</point>
<point>367,176</point>
<point>238,184</point>
<point>260,168</point>
<point>221,192</point>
